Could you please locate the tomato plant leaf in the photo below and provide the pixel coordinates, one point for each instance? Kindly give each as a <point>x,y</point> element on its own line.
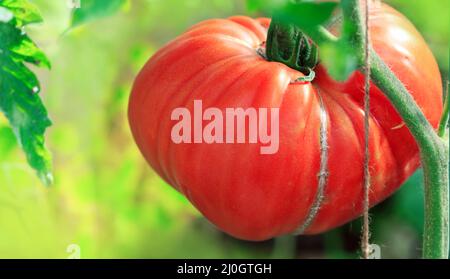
<point>265,5</point>
<point>339,59</point>
<point>24,12</point>
<point>307,15</point>
<point>19,86</point>
<point>7,140</point>
<point>93,9</point>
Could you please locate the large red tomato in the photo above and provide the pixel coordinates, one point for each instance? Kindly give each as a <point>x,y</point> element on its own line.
<point>254,196</point>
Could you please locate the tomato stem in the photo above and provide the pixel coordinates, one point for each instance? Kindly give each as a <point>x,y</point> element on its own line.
<point>287,44</point>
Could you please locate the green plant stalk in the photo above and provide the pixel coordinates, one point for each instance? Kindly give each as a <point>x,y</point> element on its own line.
<point>434,156</point>
<point>445,117</point>
<point>433,150</point>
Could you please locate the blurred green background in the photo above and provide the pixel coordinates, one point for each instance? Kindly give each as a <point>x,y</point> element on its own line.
<point>106,199</point>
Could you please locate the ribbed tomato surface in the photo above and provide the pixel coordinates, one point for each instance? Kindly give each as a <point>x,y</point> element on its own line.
<point>254,196</point>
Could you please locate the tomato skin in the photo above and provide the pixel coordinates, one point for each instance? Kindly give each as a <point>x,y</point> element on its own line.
<point>256,197</point>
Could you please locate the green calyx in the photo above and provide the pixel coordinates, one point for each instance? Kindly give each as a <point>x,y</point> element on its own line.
<point>287,44</point>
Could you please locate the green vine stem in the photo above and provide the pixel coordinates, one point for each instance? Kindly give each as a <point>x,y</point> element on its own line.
<point>443,125</point>
<point>434,156</point>
<point>433,150</point>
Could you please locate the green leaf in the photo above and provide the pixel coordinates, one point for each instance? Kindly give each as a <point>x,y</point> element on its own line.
<point>7,140</point>
<point>93,9</point>
<point>339,59</point>
<point>24,12</point>
<point>265,5</point>
<point>19,86</point>
<point>29,52</point>
<point>307,15</point>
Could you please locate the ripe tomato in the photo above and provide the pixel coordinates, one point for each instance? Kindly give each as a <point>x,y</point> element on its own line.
<point>254,196</point>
